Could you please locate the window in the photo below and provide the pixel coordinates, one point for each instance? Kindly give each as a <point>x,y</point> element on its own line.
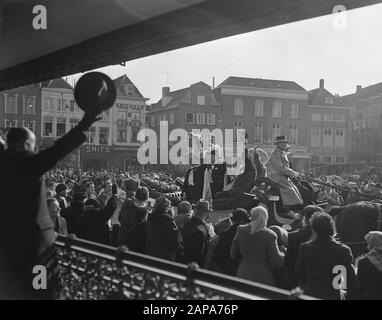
<point>172,118</point>
<point>105,115</point>
<point>327,159</point>
<point>340,159</point>
<point>327,138</point>
<point>134,134</point>
<point>190,118</point>
<point>237,125</point>
<point>71,106</point>
<point>259,132</point>
<point>294,110</point>
<point>211,119</point>
<point>276,109</point>
<point>329,100</point>
<point>10,103</point>
<point>315,137</point>
<point>10,123</point>
<point>135,116</point>
<point>122,115</point>
<point>121,135</point>
<point>328,116</point>
<point>293,134</point>
<point>61,127</point>
<point>152,121</point>
<point>30,125</point>
<point>48,104</point>
<point>238,107</point>
<point>104,136</point>
<point>128,89</point>
<point>259,108</point>
<point>339,140</point>
<point>276,130</point>
<point>316,116</point>
<point>316,159</point>
<point>29,105</point>
<point>47,127</point>
<point>187,98</point>
<point>200,100</point>
<point>201,118</point>
<point>61,105</point>
<point>339,117</point>
<point>90,135</point>
<point>73,123</point>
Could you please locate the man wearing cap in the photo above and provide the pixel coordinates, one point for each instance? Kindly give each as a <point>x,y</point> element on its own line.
<point>279,171</point>
<point>127,214</point>
<point>163,238</point>
<point>222,254</point>
<point>184,214</point>
<point>196,234</point>
<point>61,194</point>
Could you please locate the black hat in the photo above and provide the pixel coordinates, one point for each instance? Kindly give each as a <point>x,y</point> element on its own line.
<point>95,92</point>
<point>92,202</point>
<point>60,187</point>
<point>240,214</point>
<point>281,139</point>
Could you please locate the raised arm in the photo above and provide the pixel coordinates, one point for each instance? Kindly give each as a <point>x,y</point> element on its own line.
<point>45,160</point>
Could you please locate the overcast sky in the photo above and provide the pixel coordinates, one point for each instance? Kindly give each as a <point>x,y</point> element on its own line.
<point>303,52</point>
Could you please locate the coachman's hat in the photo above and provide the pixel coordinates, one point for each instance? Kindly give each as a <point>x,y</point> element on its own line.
<point>281,139</point>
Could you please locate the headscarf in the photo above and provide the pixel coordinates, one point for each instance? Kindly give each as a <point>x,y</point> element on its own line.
<point>374,240</point>
<point>259,219</point>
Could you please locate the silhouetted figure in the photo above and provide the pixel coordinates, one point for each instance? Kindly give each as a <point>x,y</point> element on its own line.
<point>26,228</point>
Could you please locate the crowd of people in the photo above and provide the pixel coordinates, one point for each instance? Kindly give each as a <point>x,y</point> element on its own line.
<point>114,209</point>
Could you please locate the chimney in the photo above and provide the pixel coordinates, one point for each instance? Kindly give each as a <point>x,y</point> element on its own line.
<point>358,89</point>
<point>321,83</point>
<point>213,83</point>
<point>165,91</point>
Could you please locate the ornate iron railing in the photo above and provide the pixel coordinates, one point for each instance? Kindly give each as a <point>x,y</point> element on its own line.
<point>91,271</point>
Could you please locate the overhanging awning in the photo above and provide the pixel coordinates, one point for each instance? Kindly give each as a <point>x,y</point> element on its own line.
<point>88,34</point>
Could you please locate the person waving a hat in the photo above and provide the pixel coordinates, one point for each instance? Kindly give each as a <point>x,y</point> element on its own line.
<point>280,172</point>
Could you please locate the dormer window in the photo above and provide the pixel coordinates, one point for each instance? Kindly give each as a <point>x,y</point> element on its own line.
<point>128,89</point>
<point>200,100</point>
<point>329,100</point>
<point>187,98</point>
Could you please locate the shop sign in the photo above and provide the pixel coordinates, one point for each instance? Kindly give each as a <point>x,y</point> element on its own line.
<point>100,149</point>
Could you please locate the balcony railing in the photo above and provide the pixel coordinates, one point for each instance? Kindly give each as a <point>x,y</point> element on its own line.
<point>91,271</point>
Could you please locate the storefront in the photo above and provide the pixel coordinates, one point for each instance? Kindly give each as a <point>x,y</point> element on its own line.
<point>96,157</point>
<point>125,158</point>
<point>71,161</point>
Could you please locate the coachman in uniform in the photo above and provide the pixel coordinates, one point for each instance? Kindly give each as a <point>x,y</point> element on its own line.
<point>279,171</point>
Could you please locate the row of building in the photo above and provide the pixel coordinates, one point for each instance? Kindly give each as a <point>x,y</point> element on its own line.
<point>322,128</point>
<point>316,122</point>
<point>49,110</point>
